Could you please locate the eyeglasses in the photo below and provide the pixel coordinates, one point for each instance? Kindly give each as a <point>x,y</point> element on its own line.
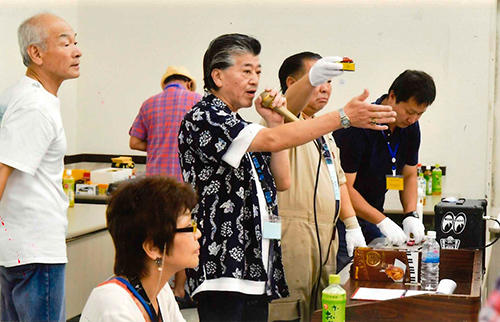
<point>190,229</point>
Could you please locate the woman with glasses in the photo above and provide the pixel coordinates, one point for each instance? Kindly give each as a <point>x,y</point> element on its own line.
<point>149,220</point>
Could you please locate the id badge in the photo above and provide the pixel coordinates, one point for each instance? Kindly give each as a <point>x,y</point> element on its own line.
<point>394,182</point>
<point>272,227</point>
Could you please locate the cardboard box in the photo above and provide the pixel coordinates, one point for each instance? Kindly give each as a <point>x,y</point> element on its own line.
<point>110,175</point>
<point>86,189</point>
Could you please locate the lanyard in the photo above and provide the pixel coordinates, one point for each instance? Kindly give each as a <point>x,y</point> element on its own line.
<point>147,307</point>
<point>333,174</point>
<point>392,153</point>
<point>268,193</point>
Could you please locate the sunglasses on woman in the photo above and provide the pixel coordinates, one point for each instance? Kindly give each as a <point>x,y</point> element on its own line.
<point>190,229</point>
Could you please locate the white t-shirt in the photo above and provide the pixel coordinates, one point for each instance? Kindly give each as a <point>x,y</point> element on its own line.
<point>33,206</point>
<point>111,302</point>
<point>233,156</point>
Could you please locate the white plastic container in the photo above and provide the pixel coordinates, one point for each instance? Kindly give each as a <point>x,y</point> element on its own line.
<point>110,175</point>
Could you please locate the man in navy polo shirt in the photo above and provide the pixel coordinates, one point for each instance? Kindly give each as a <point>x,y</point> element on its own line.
<point>375,160</point>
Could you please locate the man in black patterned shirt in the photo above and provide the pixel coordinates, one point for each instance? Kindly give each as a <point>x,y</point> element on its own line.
<point>236,167</point>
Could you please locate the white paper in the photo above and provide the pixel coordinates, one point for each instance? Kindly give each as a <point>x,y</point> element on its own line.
<point>417,292</point>
<point>377,294</point>
<point>382,294</point>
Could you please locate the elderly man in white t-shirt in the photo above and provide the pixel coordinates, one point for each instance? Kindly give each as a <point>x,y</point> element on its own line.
<point>32,147</point>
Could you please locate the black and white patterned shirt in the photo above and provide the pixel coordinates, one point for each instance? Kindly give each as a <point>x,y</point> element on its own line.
<point>227,212</point>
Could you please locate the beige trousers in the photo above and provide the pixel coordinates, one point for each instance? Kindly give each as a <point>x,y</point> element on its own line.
<point>300,254</point>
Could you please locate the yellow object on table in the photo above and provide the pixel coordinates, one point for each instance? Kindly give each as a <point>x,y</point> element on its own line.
<point>102,188</point>
<point>122,162</point>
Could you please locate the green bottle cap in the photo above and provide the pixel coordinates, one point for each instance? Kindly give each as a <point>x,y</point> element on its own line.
<point>334,279</point>
<point>437,165</point>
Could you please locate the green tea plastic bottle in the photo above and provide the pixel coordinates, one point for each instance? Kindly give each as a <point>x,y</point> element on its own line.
<point>437,174</point>
<point>69,187</point>
<point>333,300</point>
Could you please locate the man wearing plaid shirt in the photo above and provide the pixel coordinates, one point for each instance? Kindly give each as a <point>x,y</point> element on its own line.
<point>156,126</point>
<point>155,131</point>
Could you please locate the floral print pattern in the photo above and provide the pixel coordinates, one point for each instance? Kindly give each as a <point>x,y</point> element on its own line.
<point>227,213</point>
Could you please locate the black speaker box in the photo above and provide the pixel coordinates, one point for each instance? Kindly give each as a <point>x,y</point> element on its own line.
<point>460,224</point>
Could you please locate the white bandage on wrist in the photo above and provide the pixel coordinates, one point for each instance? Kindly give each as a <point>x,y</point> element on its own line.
<point>351,222</point>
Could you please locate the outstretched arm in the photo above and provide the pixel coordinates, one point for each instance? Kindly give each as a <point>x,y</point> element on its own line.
<point>363,116</point>
<point>297,133</point>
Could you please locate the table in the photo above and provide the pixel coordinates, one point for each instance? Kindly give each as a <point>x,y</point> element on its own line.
<point>462,266</point>
<point>392,204</point>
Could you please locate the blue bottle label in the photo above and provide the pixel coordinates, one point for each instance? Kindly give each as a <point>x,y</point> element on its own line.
<point>431,256</point>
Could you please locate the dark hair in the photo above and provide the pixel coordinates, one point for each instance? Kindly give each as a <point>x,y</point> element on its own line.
<point>220,51</point>
<point>145,209</point>
<point>176,77</point>
<point>294,66</point>
<point>416,84</point>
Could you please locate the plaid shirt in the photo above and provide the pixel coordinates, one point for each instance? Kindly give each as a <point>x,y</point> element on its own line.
<point>158,123</point>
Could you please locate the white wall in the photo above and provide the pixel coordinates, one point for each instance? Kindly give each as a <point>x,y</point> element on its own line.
<point>496,131</point>
<point>128,44</point>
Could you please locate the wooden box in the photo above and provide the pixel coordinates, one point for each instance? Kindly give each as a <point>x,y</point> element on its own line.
<point>372,264</point>
<point>462,266</point>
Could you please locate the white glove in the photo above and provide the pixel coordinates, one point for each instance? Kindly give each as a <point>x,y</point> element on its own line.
<point>325,69</point>
<point>414,226</point>
<point>393,233</point>
<point>354,238</point>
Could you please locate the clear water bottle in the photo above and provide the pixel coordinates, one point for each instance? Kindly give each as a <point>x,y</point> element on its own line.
<point>430,263</point>
<point>428,179</point>
<point>421,186</point>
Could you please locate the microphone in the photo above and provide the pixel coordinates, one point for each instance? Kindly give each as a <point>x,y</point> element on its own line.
<point>267,100</point>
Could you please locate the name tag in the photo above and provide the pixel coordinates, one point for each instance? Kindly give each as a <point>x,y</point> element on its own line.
<point>272,228</point>
<point>394,182</point>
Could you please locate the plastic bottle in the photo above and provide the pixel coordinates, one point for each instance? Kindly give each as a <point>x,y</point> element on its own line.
<point>421,185</point>
<point>428,179</point>
<point>437,174</point>
<point>430,262</point>
<point>69,187</point>
<point>333,300</point>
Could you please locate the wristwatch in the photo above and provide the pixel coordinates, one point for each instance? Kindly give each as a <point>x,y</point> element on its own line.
<point>411,214</point>
<point>344,119</point>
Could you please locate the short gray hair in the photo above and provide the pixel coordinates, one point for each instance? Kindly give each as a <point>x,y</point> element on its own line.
<point>220,54</point>
<point>31,32</point>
